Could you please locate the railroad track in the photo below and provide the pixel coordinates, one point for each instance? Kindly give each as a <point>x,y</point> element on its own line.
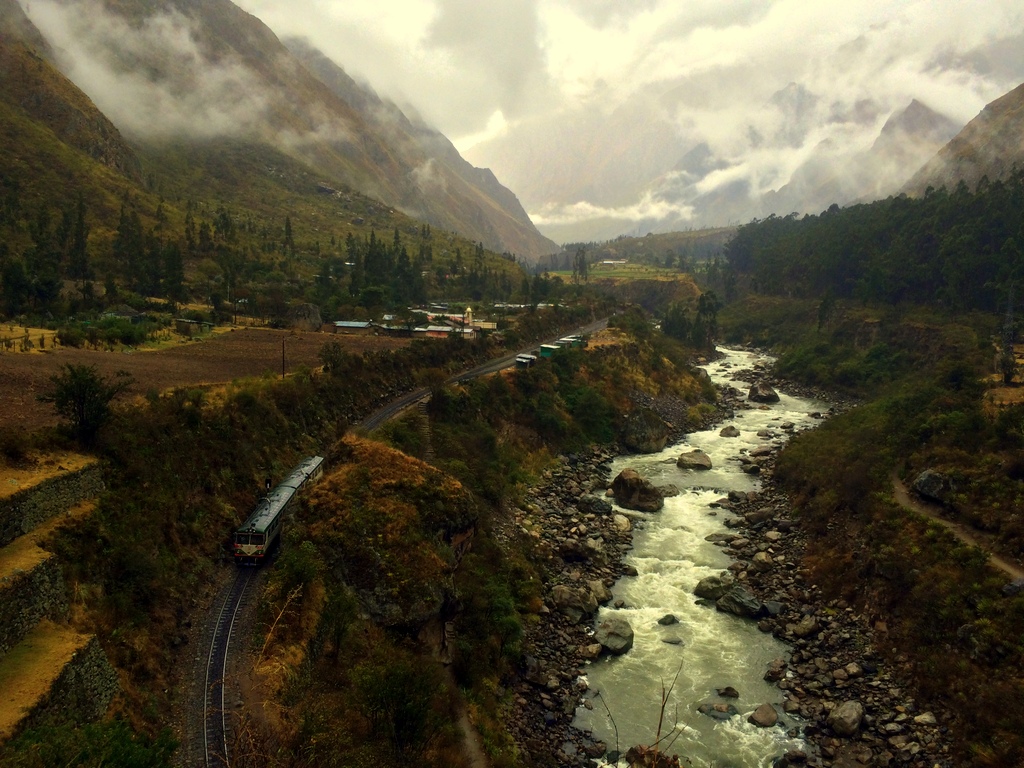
<point>215,713</point>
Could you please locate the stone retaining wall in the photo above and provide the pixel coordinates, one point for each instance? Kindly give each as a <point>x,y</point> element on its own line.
<point>26,509</point>
<point>28,597</point>
<point>81,694</point>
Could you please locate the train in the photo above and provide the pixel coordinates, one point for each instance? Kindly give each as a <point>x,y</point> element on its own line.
<point>254,539</point>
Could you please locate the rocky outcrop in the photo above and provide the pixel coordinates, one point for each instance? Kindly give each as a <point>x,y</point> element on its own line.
<point>634,492</point>
<point>932,486</point>
<point>645,432</point>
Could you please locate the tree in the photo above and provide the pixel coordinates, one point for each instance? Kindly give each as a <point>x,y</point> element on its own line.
<point>82,397</point>
<point>579,267</point>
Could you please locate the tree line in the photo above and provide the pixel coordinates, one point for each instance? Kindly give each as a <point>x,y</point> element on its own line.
<point>960,249</point>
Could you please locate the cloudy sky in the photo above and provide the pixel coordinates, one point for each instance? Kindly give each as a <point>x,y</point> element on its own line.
<point>614,115</point>
<point>472,67</point>
<point>584,107</point>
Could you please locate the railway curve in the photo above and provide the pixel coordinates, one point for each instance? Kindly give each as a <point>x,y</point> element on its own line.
<point>216,729</point>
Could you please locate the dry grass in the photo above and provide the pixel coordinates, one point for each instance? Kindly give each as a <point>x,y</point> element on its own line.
<point>34,471</point>
<point>30,669</point>
<point>25,552</point>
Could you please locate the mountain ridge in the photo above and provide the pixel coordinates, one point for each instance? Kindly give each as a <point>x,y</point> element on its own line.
<point>989,145</point>
<point>209,68</point>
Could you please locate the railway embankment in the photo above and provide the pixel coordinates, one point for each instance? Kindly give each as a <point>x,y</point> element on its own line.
<point>49,671</point>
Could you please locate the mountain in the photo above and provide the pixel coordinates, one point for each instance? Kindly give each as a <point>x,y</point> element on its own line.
<point>200,70</point>
<point>30,82</point>
<point>458,190</point>
<point>990,145</point>
<point>908,138</point>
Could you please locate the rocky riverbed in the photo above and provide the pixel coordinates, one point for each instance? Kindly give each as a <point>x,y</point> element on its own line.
<point>850,704</point>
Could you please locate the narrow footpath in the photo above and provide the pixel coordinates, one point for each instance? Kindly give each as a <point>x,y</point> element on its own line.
<point>962,532</point>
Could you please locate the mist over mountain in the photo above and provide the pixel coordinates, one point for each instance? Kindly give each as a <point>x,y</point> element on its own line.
<point>991,145</point>
<point>799,151</point>
<point>202,70</point>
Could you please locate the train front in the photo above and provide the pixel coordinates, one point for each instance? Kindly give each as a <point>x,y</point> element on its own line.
<point>249,547</point>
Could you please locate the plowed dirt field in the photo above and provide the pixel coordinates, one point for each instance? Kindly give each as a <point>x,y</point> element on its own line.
<point>236,354</point>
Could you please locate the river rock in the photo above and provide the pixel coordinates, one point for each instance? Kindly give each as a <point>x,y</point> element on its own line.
<point>762,562</point>
<point>600,592</point>
<point>776,670</point>
<point>729,431</point>
<point>739,600</point>
<point>807,626</point>
<point>718,711</point>
<point>593,505</point>
<point>645,432</point>
<point>634,492</point>
<point>728,692</point>
<point>615,635</point>
<point>574,603</point>
<point>622,523</point>
<point>697,460</point>
<point>845,719</point>
<point>764,716</point>
<point>932,485</point>
<point>714,587</point>
<point>761,392</point>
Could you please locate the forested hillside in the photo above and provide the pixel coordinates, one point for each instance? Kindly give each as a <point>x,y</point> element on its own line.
<point>911,306</point>
<point>959,249</point>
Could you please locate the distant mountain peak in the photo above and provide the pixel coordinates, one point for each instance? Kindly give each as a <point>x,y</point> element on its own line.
<point>990,145</point>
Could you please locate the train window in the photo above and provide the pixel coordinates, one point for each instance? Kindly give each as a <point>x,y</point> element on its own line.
<point>257,539</point>
<point>241,538</point>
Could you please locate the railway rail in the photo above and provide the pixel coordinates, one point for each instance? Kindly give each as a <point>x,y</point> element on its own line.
<point>215,712</point>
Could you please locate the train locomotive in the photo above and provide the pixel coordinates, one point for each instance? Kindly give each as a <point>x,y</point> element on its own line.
<point>254,539</point>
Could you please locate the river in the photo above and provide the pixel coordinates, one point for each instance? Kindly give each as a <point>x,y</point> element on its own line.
<point>710,649</point>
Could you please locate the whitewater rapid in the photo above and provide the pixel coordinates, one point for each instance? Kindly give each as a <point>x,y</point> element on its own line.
<point>709,649</point>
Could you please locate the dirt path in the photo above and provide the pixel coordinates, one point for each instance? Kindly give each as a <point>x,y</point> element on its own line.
<point>962,532</point>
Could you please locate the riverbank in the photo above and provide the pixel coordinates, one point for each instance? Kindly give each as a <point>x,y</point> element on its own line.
<point>850,703</point>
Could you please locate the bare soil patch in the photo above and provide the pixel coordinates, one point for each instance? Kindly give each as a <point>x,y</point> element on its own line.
<point>240,353</point>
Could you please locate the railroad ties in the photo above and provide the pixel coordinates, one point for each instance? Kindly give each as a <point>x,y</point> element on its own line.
<point>215,713</point>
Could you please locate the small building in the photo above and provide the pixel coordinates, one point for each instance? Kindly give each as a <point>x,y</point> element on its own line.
<point>191,328</point>
<point>357,327</point>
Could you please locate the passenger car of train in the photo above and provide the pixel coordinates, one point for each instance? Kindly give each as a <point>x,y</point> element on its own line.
<point>255,538</point>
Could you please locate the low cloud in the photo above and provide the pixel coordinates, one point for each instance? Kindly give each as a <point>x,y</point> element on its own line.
<point>152,79</point>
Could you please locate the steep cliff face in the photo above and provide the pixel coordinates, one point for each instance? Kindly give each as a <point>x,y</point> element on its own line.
<point>29,82</point>
<point>203,70</point>
<point>990,145</point>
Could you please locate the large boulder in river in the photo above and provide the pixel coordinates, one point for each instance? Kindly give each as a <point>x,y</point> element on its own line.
<point>729,431</point>
<point>694,460</point>
<point>634,492</point>
<point>761,392</point>
<point>615,635</point>
<point>645,432</point>
<point>932,485</point>
<point>713,587</point>
<point>739,600</point>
